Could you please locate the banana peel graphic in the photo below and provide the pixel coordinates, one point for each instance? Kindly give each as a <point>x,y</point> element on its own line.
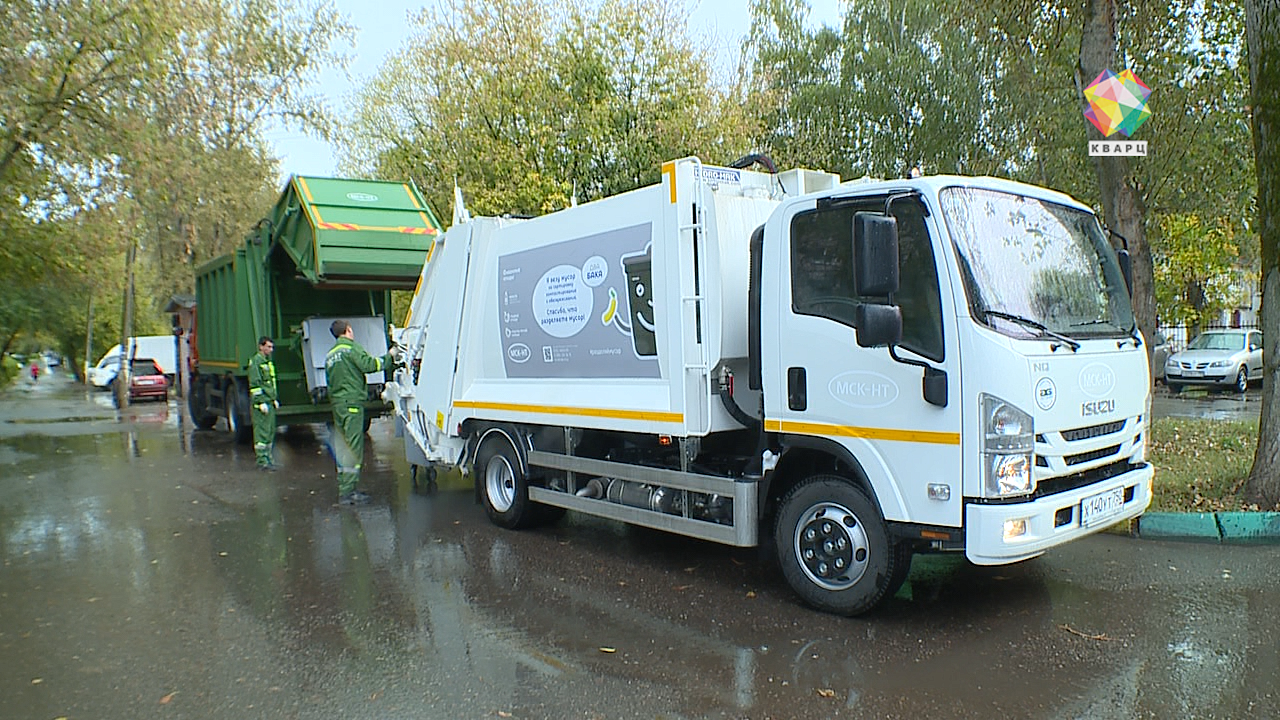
<point>607,317</point>
<point>612,317</point>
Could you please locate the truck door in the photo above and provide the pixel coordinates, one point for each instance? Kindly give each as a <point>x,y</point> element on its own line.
<point>830,390</point>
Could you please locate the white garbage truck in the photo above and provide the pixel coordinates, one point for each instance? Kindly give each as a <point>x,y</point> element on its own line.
<point>853,372</point>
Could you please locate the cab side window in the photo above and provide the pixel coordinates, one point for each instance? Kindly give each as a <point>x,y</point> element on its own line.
<point>822,270</point>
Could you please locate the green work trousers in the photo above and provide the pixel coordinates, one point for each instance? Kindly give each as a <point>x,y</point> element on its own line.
<point>348,445</point>
<point>264,433</point>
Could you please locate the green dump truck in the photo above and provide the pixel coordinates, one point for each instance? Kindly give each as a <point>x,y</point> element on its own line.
<point>329,249</point>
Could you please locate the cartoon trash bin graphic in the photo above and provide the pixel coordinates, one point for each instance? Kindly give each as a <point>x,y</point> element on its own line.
<point>639,271</point>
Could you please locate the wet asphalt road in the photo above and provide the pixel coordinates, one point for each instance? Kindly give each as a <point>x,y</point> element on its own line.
<point>149,572</point>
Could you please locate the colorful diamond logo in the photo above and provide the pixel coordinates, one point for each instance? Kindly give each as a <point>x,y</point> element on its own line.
<point>1117,103</point>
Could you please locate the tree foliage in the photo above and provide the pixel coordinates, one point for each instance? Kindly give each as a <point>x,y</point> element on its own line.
<point>527,105</point>
<point>139,122</point>
<point>1195,270</point>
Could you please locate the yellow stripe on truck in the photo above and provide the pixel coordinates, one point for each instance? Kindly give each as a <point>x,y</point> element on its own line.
<point>653,416</point>
<point>669,169</point>
<point>866,433</point>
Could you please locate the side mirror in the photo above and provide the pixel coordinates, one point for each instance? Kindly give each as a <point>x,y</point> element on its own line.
<point>875,254</point>
<point>878,325</point>
<point>1126,269</point>
<point>934,386</point>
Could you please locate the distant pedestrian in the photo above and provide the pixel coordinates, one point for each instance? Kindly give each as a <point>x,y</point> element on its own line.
<point>345,368</point>
<point>35,372</point>
<point>264,400</point>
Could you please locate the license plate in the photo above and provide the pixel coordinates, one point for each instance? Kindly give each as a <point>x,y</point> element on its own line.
<point>1195,373</point>
<point>1098,508</point>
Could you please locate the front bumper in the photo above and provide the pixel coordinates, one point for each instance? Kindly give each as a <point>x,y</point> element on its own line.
<point>1228,377</point>
<point>985,543</point>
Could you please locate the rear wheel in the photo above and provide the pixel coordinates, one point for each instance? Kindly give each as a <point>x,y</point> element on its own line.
<point>834,548</point>
<point>503,485</point>
<point>1242,380</point>
<point>505,488</point>
<point>1174,388</point>
<point>238,422</point>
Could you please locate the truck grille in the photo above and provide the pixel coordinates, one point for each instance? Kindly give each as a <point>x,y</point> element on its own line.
<point>1076,456</point>
<point>1091,455</point>
<point>1092,431</point>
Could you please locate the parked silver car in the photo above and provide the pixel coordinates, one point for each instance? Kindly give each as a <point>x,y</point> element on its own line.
<point>1226,358</point>
<point>1159,356</point>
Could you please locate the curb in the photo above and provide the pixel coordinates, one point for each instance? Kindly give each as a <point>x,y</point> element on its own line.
<point>1222,527</point>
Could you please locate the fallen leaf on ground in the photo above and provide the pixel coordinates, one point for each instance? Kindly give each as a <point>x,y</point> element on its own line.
<point>1086,636</point>
<point>168,698</point>
<point>608,650</point>
<point>824,692</point>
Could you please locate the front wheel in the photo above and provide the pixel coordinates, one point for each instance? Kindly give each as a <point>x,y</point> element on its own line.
<point>198,404</point>
<point>834,548</point>
<point>1242,380</point>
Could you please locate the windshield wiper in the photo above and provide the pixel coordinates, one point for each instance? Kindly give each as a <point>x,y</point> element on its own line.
<point>1028,322</point>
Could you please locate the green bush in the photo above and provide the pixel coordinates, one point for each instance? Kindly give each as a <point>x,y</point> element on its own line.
<point>9,370</point>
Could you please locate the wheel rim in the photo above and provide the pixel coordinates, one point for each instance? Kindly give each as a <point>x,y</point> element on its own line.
<point>233,417</point>
<point>831,546</point>
<point>500,483</point>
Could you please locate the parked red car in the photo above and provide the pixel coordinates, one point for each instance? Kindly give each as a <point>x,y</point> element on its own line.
<point>147,381</point>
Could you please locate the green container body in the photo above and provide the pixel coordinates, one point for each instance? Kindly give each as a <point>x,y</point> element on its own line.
<point>329,248</point>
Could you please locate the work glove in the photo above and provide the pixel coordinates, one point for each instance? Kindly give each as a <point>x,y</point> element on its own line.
<point>277,403</point>
<point>263,407</point>
<point>397,354</point>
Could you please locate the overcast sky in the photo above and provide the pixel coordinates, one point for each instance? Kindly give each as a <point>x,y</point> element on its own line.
<point>384,27</point>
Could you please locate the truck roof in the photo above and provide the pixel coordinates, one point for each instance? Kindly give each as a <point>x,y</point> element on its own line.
<point>934,183</point>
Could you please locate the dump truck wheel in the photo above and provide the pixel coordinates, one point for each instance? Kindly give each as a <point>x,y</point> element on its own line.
<point>198,404</point>
<point>503,485</point>
<point>834,548</point>
<point>237,420</point>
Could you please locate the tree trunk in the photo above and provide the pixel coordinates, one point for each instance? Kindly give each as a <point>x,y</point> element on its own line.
<point>1123,208</point>
<point>1262,30</point>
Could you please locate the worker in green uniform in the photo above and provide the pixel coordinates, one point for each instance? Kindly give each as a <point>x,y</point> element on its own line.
<point>345,368</point>
<point>263,401</point>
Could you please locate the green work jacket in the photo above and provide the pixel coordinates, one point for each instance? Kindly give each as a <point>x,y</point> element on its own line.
<point>262,379</point>
<point>345,367</point>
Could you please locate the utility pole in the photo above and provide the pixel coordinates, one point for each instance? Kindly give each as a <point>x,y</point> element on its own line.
<point>126,327</point>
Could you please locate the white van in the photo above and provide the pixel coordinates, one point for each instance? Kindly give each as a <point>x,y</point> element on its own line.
<point>160,348</point>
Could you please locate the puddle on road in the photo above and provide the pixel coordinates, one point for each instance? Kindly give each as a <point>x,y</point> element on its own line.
<point>56,420</point>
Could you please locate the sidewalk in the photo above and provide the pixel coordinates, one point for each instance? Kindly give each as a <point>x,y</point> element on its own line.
<point>1222,527</point>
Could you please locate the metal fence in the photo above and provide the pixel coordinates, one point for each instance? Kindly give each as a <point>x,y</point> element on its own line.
<point>1177,338</point>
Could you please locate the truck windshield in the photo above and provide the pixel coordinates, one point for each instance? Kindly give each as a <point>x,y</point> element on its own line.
<point>1036,268</point>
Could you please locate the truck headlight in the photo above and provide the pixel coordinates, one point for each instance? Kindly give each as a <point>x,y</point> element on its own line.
<point>1007,446</point>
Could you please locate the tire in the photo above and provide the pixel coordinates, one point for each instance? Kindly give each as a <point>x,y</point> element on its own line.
<point>1242,380</point>
<point>504,489</point>
<point>834,548</point>
<point>198,405</point>
<point>1174,388</point>
<point>368,422</point>
<point>237,419</point>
